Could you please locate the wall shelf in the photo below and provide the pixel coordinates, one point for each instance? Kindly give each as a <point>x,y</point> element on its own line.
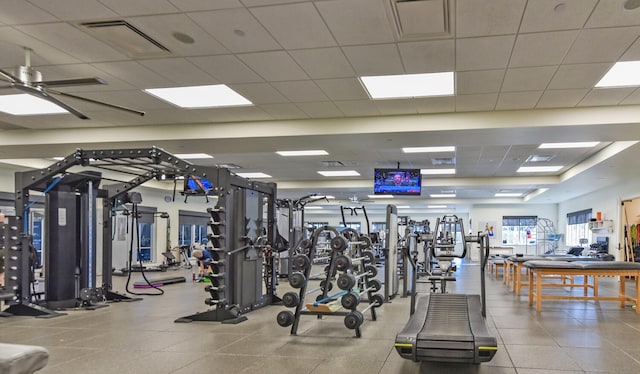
<point>601,226</point>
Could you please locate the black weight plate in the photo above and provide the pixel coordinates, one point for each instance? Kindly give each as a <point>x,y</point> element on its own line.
<point>329,287</point>
<point>297,280</point>
<point>291,299</point>
<point>305,243</point>
<point>353,320</point>
<point>374,284</point>
<point>342,262</point>
<point>350,301</point>
<point>377,299</point>
<point>372,270</point>
<point>346,281</point>
<point>370,256</point>
<point>338,243</point>
<point>301,262</point>
<point>285,318</point>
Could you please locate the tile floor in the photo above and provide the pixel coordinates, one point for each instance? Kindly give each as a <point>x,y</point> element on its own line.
<point>141,337</point>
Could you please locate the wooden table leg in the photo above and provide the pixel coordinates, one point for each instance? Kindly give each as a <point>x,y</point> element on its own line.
<point>622,291</point>
<point>595,285</point>
<point>530,288</point>
<point>538,292</point>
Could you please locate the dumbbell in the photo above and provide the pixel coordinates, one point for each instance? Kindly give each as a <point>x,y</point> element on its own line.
<point>301,262</point>
<point>285,318</point>
<point>347,281</point>
<point>292,299</point>
<point>343,262</point>
<point>338,243</point>
<point>297,279</point>
<point>355,319</point>
<point>352,299</point>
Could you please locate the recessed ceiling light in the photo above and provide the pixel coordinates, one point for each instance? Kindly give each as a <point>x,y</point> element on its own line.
<point>443,195</point>
<point>192,156</point>
<point>508,194</point>
<point>380,196</point>
<point>436,206</point>
<point>568,145</point>
<point>437,171</point>
<point>540,158</point>
<point>409,85</point>
<point>538,169</point>
<point>253,175</point>
<point>317,152</point>
<point>623,73</point>
<point>211,96</point>
<point>24,105</point>
<point>339,173</point>
<point>428,149</point>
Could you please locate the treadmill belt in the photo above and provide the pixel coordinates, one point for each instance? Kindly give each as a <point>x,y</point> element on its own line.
<point>447,319</point>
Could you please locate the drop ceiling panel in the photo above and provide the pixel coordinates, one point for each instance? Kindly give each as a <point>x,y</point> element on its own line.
<point>283,111</point>
<point>75,10</point>
<point>633,53</point>
<point>300,91</point>
<point>606,96</point>
<point>548,48</point>
<point>435,104</point>
<point>135,74</point>
<point>20,12</point>
<point>578,76</point>
<point>382,59</point>
<point>139,7</point>
<point>358,108</point>
<point>162,28</point>
<point>475,82</point>
<point>12,42</point>
<point>612,14</point>
<point>525,79</point>
<point>324,109</point>
<point>556,15</point>
<point>130,98</point>
<point>197,5</point>
<point>226,69</point>
<point>295,25</point>
<point>561,98</point>
<point>482,18</point>
<point>323,62</point>
<point>478,102</point>
<point>268,2</point>
<point>633,98</point>
<point>179,71</point>
<point>601,45</point>
<point>73,41</point>
<point>274,66</point>
<point>428,57</point>
<point>518,100</point>
<point>483,53</point>
<point>342,89</point>
<point>394,107</point>
<point>357,21</point>
<point>236,29</point>
<point>260,93</point>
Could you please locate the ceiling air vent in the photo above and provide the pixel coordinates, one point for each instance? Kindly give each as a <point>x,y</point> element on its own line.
<point>126,38</point>
<point>332,164</point>
<point>443,161</point>
<point>421,19</point>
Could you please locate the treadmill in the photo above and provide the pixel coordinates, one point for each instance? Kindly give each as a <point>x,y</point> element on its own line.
<point>449,327</point>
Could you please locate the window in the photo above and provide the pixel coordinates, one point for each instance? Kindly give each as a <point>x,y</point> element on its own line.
<point>519,230</point>
<point>352,225</point>
<point>577,227</point>
<point>184,234</point>
<point>317,225</point>
<point>145,231</point>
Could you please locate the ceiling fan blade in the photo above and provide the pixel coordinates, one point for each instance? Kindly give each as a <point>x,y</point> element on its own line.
<point>73,82</point>
<point>38,92</point>
<point>138,112</point>
<point>5,75</point>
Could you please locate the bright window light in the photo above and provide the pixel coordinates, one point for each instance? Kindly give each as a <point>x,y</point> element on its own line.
<point>253,175</point>
<point>437,171</point>
<point>24,105</point>
<point>624,73</point>
<point>313,207</point>
<point>538,169</point>
<point>568,145</point>
<point>339,173</point>
<point>190,156</point>
<point>409,85</point>
<point>428,149</point>
<point>380,196</point>
<point>218,95</point>
<point>436,206</point>
<point>317,152</point>
<point>508,194</point>
<point>403,207</point>
<point>436,195</point>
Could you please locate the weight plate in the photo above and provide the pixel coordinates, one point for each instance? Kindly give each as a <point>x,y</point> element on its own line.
<point>305,243</point>
<point>329,285</point>
<point>372,270</point>
<point>297,280</point>
<point>342,262</point>
<point>285,318</point>
<point>338,243</point>
<point>301,262</point>
<point>350,301</point>
<point>291,299</point>
<point>353,320</point>
<point>346,281</point>
<point>366,240</point>
<point>374,284</point>
<point>370,257</point>
<point>377,299</point>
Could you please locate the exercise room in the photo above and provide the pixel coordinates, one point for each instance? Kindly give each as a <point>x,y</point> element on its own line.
<point>319,186</point>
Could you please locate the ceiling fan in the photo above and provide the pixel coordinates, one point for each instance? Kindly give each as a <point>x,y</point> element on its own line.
<point>30,81</point>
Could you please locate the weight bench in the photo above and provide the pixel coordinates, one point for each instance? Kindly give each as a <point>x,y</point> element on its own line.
<point>538,269</point>
<point>22,359</point>
<point>513,268</point>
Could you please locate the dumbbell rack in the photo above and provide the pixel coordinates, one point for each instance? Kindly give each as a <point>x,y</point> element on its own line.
<point>299,279</point>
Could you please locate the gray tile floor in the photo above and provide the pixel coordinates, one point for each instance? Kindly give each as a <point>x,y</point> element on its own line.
<point>141,337</point>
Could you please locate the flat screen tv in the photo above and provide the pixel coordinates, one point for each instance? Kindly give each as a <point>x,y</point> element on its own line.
<point>194,185</point>
<point>397,182</point>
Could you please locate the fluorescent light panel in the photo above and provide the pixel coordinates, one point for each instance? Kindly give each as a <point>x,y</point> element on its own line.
<point>253,175</point>
<point>317,152</point>
<point>621,74</point>
<point>193,156</point>
<point>211,96</point>
<point>380,196</point>
<point>436,206</point>
<point>568,145</point>
<point>403,207</point>
<point>538,169</point>
<point>409,85</point>
<point>339,173</point>
<point>508,194</point>
<point>437,171</point>
<point>428,149</point>
<point>313,207</point>
<point>24,105</point>
<point>443,195</point>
